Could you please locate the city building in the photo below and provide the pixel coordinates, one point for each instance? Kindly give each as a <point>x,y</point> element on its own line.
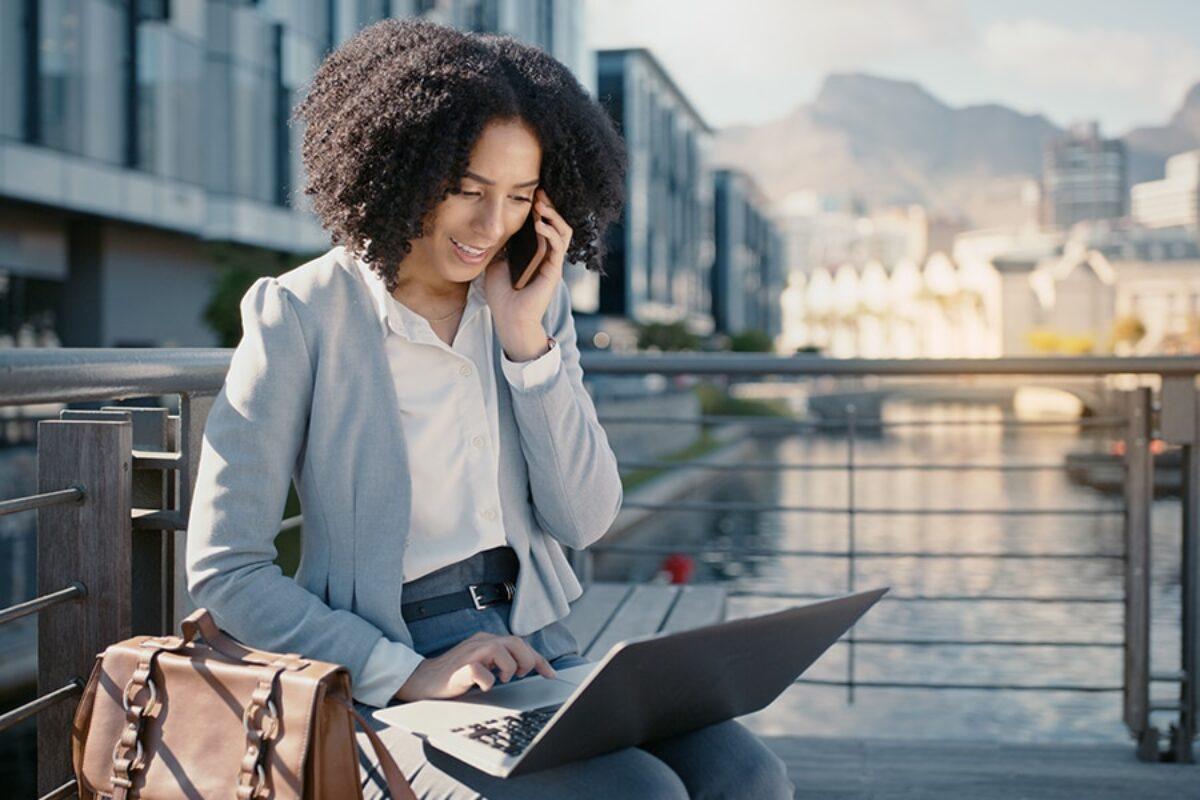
<point>143,144</point>
<point>1174,200</point>
<point>747,273</point>
<point>660,252</point>
<point>1122,289</point>
<point>1084,178</point>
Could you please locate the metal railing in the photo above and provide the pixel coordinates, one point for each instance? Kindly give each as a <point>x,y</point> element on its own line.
<point>1171,417</point>
<point>86,507</point>
<point>114,489</point>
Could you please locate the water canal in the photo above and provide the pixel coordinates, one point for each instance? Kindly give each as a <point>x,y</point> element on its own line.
<point>974,437</point>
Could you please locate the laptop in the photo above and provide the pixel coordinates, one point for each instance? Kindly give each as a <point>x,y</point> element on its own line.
<point>647,688</point>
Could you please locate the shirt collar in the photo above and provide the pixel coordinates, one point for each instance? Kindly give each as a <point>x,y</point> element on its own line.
<point>392,314</point>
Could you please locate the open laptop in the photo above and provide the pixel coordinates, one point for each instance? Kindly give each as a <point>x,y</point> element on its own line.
<point>644,689</point>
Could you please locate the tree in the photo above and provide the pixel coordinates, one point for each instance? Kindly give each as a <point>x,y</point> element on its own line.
<point>667,336</point>
<point>238,267</point>
<point>751,340</point>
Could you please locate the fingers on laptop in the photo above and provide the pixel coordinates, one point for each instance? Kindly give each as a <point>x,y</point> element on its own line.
<point>509,656</point>
<point>481,676</point>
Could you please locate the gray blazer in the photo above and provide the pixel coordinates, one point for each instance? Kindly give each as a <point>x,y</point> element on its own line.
<point>308,397</point>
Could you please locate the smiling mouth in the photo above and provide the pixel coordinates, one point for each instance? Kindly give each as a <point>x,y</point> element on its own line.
<point>473,252</point>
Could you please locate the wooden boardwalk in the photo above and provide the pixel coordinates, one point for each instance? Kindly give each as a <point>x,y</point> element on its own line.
<point>610,612</point>
<point>872,769</point>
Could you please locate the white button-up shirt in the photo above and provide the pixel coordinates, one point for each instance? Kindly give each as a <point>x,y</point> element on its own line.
<point>450,422</point>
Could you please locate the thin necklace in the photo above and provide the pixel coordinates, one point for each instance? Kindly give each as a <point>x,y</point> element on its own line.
<point>448,316</point>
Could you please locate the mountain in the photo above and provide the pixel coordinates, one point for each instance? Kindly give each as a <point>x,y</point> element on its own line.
<point>891,142</point>
<point>1150,147</point>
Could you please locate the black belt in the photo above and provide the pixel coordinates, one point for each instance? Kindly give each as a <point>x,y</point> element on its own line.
<point>478,596</point>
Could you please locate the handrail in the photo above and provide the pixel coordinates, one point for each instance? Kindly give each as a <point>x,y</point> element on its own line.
<point>663,550</point>
<point>875,511</point>
<point>754,364</point>
<point>827,425</point>
<point>38,704</point>
<point>73,592</point>
<point>68,789</point>
<point>44,500</point>
<point>930,598</point>
<point>974,687</point>
<point>772,466</point>
<point>69,374</point>
<point>79,374</point>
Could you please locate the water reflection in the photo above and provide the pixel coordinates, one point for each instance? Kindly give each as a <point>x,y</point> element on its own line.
<point>1093,628</point>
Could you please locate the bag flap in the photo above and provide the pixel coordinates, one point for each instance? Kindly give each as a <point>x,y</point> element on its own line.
<point>194,739</point>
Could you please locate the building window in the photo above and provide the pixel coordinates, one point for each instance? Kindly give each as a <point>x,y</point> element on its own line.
<point>170,84</point>
<point>483,16</point>
<point>545,25</point>
<point>13,61</point>
<point>82,51</point>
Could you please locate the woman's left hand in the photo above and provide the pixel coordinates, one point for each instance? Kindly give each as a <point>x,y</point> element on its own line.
<point>518,312</point>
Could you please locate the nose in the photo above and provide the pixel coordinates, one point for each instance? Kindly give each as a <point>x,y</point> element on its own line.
<point>489,222</point>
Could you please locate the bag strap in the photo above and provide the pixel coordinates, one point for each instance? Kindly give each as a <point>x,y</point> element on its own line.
<point>252,779</point>
<point>398,788</point>
<point>201,624</point>
<point>128,755</point>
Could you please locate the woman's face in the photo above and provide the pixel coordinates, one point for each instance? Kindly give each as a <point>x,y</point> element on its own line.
<point>494,200</point>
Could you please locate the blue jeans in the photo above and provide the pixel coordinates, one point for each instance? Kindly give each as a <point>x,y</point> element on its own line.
<point>723,760</point>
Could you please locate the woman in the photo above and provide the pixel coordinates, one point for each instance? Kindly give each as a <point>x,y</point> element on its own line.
<point>432,416</point>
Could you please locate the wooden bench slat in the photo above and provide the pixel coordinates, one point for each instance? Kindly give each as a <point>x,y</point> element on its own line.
<point>591,612</point>
<point>697,606</point>
<point>642,612</point>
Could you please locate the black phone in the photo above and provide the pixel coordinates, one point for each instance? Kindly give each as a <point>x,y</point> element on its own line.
<point>521,249</point>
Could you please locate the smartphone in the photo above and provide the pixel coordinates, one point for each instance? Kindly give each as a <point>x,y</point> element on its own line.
<point>525,250</point>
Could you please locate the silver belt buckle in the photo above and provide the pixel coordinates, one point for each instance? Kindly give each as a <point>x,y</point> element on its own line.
<point>479,604</point>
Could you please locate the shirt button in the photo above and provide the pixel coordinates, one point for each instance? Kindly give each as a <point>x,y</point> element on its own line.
<point>490,513</point>
<point>464,370</point>
<point>477,441</point>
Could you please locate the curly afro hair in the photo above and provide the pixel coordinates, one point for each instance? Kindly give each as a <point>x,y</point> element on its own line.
<point>392,115</point>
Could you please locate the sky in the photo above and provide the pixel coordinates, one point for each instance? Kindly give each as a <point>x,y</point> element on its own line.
<point>1124,63</point>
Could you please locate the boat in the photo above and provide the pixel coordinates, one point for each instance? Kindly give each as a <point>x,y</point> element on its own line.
<point>1105,470</point>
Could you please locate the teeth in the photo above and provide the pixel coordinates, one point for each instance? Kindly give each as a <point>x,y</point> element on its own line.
<point>468,250</point>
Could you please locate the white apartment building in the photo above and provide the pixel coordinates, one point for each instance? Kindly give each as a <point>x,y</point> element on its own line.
<point>1174,200</point>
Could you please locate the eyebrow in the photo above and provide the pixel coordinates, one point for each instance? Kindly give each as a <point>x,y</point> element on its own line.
<point>482,179</point>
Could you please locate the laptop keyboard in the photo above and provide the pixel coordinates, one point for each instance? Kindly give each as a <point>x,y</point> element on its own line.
<point>511,733</point>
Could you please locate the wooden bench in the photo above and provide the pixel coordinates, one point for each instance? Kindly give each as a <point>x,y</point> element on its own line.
<point>610,612</point>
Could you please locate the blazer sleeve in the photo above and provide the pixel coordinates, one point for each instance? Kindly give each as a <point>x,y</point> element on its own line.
<point>252,440</point>
<point>573,477</point>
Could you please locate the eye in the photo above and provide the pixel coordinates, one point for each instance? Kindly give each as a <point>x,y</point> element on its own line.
<point>472,194</point>
<point>523,199</point>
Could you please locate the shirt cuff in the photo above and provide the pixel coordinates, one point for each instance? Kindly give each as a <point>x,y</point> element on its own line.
<point>528,374</point>
<point>388,668</point>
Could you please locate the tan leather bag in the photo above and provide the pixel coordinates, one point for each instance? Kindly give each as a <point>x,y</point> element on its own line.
<point>173,717</point>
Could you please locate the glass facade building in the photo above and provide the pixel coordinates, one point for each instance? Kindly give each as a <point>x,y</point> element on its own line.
<point>748,271</point>
<point>660,254</point>
<point>1084,177</point>
<point>132,132</point>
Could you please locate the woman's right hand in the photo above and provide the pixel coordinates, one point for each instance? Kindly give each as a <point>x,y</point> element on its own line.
<point>470,663</point>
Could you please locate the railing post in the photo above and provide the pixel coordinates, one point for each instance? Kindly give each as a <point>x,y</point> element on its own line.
<point>151,601</point>
<point>193,416</point>
<point>1181,425</point>
<point>89,542</point>
<point>1139,488</point>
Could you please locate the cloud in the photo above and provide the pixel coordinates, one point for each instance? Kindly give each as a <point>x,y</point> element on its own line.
<point>1131,64</point>
<point>756,60</point>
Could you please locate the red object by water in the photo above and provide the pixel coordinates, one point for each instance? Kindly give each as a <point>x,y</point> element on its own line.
<point>679,567</point>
